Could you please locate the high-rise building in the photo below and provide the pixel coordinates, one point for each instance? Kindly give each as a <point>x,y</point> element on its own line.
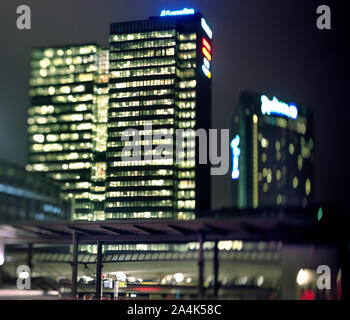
<point>160,81</point>
<point>67,122</point>
<point>272,153</point>
<point>155,78</point>
<point>99,142</point>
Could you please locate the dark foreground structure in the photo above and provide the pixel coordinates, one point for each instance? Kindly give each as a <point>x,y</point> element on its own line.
<point>292,227</point>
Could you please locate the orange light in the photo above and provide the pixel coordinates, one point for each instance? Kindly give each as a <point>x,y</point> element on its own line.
<point>206,44</point>
<point>206,53</point>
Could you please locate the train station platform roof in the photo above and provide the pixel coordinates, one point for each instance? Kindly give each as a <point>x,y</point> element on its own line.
<point>275,226</point>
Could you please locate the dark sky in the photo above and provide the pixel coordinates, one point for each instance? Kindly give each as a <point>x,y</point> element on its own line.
<point>268,46</point>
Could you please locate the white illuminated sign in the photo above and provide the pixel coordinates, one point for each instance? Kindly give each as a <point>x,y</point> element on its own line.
<point>206,71</point>
<point>206,28</point>
<point>206,63</point>
<point>185,11</point>
<point>275,107</point>
<point>236,151</point>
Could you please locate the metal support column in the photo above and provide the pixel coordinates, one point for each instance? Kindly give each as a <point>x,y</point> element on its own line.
<point>30,256</point>
<point>75,264</point>
<point>98,270</point>
<point>216,269</point>
<point>200,265</point>
<point>2,260</point>
<point>344,257</point>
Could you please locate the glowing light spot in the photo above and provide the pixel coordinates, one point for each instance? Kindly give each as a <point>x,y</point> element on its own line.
<point>51,91</point>
<point>278,174</point>
<point>300,162</point>
<point>206,53</point>
<point>295,182</point>
<point>279,199</point>
<point>275,107</point>
<point>39,138</point>
<point>264,143</point>
<point>302,277</point>
<point>291,148</point>
<point>43,72</point>
<point>319,214</point>
<point>206,71</point>
<point>236,151</point>
<point>206,28</point>
<point>169,13</point>
<point>179,277</point>
<point>265,187</point>
<point>206,63</point>
<point>206,44</point>
<point>23,275</point>
<point>307,187</point>
<point>260,281</point>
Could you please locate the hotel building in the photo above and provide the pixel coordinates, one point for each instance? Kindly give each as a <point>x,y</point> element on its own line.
<point>273,153</point>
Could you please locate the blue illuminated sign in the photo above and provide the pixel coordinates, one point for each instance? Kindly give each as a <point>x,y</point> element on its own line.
<point>21,193</point>
<point>183,12</point>
<point>275,107</point>
<point>236,151</point>
<point>51,208</point>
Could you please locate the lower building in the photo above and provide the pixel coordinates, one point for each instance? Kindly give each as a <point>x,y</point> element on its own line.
<point>27,196</point>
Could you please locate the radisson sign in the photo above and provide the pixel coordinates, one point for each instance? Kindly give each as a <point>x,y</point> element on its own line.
<point>277,108</point>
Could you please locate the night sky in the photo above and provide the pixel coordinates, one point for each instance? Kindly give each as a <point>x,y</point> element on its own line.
<point>268,46</point>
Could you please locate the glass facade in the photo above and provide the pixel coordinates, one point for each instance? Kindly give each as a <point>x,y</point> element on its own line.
<point>276,161</point>
<point>67,121</point>
<point>154,88</point>
<point>26,196</point>
<point>84,97</point>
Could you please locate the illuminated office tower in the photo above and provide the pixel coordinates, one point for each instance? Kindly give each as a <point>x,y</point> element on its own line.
<point>99,141</point>
<point>68,90</point>
<point>160,75</point>
<point>272,153</point>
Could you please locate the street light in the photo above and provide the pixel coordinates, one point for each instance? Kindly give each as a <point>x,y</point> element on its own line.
<point>179,277</point>
<point>303,277</point>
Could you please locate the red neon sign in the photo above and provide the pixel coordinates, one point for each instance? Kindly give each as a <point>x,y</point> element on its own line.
<point>206,44</point>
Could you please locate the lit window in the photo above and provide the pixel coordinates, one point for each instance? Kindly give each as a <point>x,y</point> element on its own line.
<point>265,187</point>
<point>278,174</point>
<point>295,182</point>
<point>291,148</point>
<point>279,199</point>
<point>307,187</point>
